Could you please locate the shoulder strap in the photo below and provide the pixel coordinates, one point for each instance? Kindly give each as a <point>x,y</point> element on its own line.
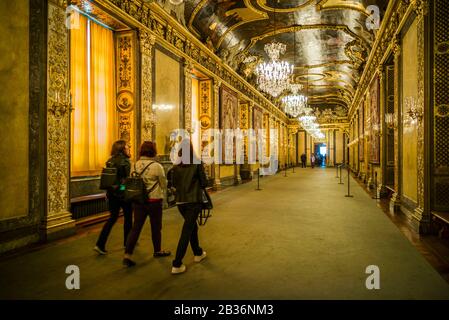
<point>146,167</point>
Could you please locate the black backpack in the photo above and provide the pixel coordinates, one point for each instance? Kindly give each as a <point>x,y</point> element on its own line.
<point>135,189</point>
<point>108,178</point>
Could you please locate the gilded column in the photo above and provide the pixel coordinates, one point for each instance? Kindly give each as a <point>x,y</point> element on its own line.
<point>217,85</point>
<point>188,67</point>
<point>421,216</point>
<point>395,199</point>
<point>147,42</point>
<point>237,176</point>
<point>58,220</point>
<point>383,135</point>
<point>250,126</point>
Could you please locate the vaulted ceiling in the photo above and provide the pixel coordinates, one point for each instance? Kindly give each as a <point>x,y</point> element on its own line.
<point>327,40</point>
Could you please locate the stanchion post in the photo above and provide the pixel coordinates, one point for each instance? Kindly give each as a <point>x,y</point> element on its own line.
<point>349,187</point>
<point>375,187</point>
<point>258,179</point>
<point>336,167</point>
<point>340,175</point>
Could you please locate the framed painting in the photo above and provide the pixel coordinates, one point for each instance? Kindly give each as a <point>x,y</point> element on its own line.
<point>361,137</point>
<point>229,117</point>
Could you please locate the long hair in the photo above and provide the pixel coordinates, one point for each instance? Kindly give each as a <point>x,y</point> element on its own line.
<point>118,148</point>
<point>148,149</point>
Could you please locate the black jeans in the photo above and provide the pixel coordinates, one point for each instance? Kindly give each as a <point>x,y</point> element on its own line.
<point>190,212</point>
<point>303,164</point>
<point>114,207</point>
<point>141,211</point>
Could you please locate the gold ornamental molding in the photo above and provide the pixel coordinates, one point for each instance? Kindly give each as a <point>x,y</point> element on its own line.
<point>263,4</point>
<point>336,27</point>
<point>341,4</point>
<point>326,64</point>
<point>197,9</point>
<point>176,38</point>
<point>394,20</point>
<point>147,42</point>
<point>248,4</point>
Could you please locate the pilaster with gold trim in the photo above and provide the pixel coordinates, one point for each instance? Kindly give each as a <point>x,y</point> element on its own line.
<point>126,87</point>
<point>188,69</point>
<point>381,187</point>
<point>146,41</point>
<point>216,111</point>
<point>395,199</point>
<point>58,220</point>
<point>421,216</point>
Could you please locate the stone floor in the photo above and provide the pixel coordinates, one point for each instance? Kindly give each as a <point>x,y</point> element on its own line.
<point>298,238</point>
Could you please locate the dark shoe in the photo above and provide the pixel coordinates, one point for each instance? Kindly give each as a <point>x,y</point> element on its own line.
<point>128,262</point>
<point>162,253</point>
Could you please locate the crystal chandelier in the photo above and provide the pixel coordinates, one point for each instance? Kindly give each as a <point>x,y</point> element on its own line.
<point>274,76</point>
<point>295,103</point>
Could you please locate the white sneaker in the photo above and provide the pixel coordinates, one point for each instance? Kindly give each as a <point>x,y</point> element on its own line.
<point>200,258</point>
<point>100,251</point>
<point>181,269</point>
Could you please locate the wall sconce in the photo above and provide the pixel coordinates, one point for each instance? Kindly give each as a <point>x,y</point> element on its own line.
<point>59,108</point>
<point>391,121</point>
<point>413,112</point>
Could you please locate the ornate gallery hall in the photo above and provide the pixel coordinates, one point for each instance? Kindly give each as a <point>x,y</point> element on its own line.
<point>318,129</point>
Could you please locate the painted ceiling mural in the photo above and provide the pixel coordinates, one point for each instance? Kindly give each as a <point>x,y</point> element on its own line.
<point>328,41</point>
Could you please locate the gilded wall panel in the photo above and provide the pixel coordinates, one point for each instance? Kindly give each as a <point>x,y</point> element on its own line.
<point>58,134</point>
<point>147,42</point>
<point>167,100</point>
<point>14,101</point>
<point>374,122</point>
<point>409,95</point>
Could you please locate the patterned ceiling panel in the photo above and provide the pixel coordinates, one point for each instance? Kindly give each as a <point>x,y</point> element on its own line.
<point>327,40</point>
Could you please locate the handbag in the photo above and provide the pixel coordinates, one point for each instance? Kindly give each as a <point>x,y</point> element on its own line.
<point>206,207</point>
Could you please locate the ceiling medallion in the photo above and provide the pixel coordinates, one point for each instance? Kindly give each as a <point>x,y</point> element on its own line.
<point>274,76</point>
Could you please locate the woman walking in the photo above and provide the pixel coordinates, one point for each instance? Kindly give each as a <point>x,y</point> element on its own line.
<point>189,180</point>
<point>153,176</point>
<point>120,160</point>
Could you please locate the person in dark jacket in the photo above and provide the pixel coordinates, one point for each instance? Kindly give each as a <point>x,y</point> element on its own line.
<point>119,159</point>
<point>189,179</point>
<point>303,160</point>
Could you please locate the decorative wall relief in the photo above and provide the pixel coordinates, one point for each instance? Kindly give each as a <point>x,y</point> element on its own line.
<point>440,94</point>
<point>190,46</point>
<point>126,77</point>
<point>147,42</point>
<point>58,133</point>
<point>245,124</point>
<point>205,116</point>
<point>374,146</point>
<point>258,124</point>
<point>188,68</point>
<point>206,104</point>
<point>361,132</point>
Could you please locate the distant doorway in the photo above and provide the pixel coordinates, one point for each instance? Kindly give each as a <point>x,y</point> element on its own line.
<point>320,154</point>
